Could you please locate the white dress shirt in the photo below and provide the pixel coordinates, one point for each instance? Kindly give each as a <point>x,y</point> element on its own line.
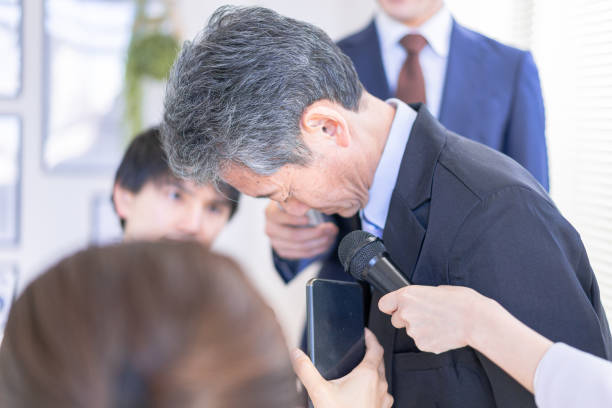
<point>433,58</point>
<point>374,215</point>
<point>568,377</point>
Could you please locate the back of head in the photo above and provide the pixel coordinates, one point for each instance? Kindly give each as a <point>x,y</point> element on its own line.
<point>236,93</point>
<point>144,325</point>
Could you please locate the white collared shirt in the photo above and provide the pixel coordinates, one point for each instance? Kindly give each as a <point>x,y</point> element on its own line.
<point>374,215</point>
<point>433,58</point>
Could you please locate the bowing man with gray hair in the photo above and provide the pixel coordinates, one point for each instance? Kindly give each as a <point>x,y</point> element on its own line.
<point>271,106</point>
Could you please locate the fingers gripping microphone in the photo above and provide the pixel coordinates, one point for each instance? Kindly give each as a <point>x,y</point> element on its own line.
<point>365,257</point>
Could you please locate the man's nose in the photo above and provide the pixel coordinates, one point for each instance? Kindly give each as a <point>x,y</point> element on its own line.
<point>294,207</point>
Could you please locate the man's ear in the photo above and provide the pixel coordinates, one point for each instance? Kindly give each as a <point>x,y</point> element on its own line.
<point>325,119</point>
<point>122,199</point>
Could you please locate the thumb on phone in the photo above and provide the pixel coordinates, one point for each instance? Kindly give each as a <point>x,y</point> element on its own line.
<point>307,373</point>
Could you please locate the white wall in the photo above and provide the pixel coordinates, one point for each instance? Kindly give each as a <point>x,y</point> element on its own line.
<point>337,17</point>
<point>54,208</point>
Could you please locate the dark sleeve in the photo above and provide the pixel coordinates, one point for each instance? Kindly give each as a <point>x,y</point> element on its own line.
<point>290,268</point>
<point>525,139</point>
<point>516,248</point>
<point>287,269</point>
<point>331,269</point>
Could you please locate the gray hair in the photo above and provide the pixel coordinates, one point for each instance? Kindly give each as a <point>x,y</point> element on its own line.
<point>236,93</point>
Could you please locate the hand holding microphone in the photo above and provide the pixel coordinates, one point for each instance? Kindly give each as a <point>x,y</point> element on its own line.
<point>437,318</point>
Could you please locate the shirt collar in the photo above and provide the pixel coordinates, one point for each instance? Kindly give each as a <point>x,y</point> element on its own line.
<point>377,208</point>
<point>436,30</point>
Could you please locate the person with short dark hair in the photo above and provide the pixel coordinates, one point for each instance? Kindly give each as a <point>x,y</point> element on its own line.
<point>152,202</point>
<point>161,324</point>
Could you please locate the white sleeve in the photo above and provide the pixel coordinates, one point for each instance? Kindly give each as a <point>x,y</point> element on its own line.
<point>568,377</point>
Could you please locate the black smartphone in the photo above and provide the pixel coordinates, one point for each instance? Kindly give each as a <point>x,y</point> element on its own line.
<point>335,326</point>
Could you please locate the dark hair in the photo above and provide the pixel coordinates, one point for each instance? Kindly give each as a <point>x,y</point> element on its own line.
<point>236,93</point>
<point>157,324</point>
<point>145,161</point>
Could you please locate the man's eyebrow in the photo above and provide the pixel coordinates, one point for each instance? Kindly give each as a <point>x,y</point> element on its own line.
<point>264,196</point>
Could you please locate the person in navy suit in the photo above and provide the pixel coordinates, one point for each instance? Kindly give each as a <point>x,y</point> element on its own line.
<point>271,106</point>
<point>475,86</point>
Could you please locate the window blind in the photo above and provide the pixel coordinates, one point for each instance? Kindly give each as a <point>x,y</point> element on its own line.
<point>590,31</point>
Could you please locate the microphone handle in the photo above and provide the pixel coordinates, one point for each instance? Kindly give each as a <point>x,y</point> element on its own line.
<point>383,275</point>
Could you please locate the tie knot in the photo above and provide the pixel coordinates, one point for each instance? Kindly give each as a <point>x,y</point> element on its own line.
<point>413,43</point>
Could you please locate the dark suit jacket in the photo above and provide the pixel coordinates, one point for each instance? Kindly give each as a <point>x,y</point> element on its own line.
<point>464,214</point>
<point>491,93</point>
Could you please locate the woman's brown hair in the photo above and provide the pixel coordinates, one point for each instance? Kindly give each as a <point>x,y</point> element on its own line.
<point>162,324</point>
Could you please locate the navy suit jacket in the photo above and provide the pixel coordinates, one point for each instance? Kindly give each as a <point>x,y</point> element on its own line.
<point>491,93</point>
<point>464,214</point>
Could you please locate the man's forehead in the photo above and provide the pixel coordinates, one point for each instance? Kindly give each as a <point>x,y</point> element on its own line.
<point>248,182</point>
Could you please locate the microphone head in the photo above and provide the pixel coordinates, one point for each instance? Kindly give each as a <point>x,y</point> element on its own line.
<point>356,249</point>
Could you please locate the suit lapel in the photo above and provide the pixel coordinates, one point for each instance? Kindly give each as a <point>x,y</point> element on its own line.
<point>404,234</point>
<point>461,83</point>
<point>404,224</point>
<point>366,54</point>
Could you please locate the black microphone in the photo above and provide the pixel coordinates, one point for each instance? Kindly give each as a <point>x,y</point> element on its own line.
<point>365,257</point>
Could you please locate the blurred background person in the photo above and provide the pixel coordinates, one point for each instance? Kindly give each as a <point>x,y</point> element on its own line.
<point>160,324</point>
<point>152,203</point>
<point>450,317</point>
<point>416,51</point>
